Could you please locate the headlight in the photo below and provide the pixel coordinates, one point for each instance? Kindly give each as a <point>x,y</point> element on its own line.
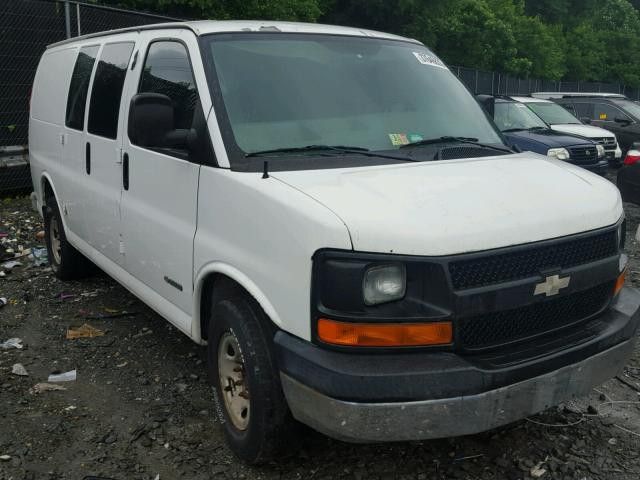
<point>600,150</point>
<point>559,153</point>
<point>384,283</point>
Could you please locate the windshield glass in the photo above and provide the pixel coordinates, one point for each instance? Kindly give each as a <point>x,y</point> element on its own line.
<point>632,108</point>
<point>516,116</point>
<point>553,114</point>
<point>294,90</point>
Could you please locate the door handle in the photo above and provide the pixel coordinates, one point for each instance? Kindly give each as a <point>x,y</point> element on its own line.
<point>87,158</point>
<point>125,171</point>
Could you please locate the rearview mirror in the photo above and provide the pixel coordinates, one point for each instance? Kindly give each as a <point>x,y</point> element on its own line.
<point>585,120</point>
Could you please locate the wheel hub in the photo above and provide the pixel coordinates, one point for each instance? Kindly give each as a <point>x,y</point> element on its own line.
<point>56,244</point>
<point>231,371</point>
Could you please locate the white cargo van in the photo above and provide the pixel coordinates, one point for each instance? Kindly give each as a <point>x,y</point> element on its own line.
<point>329,211</point>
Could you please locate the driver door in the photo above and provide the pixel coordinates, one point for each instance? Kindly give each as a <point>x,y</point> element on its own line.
<point>160,185</point>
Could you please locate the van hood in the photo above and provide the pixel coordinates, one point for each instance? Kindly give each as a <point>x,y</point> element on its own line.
<point>458,206</point>
<point>588,131</point>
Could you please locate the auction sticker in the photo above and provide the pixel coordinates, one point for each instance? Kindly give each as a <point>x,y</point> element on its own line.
<point>426,59</point>
<point>398,139</point>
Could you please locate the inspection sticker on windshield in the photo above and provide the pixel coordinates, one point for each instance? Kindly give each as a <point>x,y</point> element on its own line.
<point>398,139</point>
<point>426,59</point>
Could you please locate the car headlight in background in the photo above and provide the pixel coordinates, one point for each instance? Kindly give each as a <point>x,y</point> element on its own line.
<point>600,150</point>
<point>384,283</point>
<point>559,153</point>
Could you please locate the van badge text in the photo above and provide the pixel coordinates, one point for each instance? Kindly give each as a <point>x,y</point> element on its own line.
<point>552,285</point>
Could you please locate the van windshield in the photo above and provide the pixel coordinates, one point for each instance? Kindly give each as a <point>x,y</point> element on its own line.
<point>279,90</point>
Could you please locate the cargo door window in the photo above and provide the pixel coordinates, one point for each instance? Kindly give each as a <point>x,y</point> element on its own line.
<point>79,86</point>
<point>167,71</point>
<point>106,93</point>
<point>583,110</point>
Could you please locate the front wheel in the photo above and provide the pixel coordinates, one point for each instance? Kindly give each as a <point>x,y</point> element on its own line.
<point>251,406</point>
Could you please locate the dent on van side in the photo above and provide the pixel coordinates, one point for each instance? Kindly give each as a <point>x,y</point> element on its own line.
<point>398,274</point>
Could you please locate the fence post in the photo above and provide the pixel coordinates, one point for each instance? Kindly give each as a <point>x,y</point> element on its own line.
<point>78,18</point>
<point>493,79</point>
<point>67,18</point>
<point>476,90</point>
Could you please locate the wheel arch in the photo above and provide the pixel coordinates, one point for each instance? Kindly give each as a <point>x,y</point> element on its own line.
<point>222,280</point>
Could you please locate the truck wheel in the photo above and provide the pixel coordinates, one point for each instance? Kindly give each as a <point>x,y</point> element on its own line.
<point>249,400</point>
<point>66,262</point>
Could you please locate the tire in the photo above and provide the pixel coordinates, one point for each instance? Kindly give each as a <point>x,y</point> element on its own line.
<point>65,261</point>
<point>238,332</point>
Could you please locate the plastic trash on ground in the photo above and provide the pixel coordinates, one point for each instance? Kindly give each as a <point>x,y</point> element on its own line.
<point>11,343</point>
<point>39,256</point>
<point>69,376</point>
<point>18,369</point>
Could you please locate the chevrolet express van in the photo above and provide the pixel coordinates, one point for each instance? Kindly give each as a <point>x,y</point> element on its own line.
<point>330,211</point>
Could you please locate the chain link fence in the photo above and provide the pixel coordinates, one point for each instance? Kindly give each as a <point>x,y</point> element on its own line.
<point>28,26</point>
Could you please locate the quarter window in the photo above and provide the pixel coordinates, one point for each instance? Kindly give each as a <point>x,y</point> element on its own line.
<point>107,89</point>
<point>167,71</point>
<point>77,98</point>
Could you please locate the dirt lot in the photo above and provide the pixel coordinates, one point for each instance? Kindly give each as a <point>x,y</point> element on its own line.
<point>141,406</point>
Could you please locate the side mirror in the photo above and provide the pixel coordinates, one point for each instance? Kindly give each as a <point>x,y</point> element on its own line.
<point>488,103</point>
<point>585,120</point>
<point>150,119</point>
<point>622,121</point>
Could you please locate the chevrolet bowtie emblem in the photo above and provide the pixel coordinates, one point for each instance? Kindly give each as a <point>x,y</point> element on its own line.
<point>552,285</point>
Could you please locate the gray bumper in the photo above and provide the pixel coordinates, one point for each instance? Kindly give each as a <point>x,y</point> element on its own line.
<point>449,417</point>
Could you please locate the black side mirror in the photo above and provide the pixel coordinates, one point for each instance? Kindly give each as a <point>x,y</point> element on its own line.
<point>150,119</point>
<point>622,121</point>
<point>487,102</point>
<point>585,120</point>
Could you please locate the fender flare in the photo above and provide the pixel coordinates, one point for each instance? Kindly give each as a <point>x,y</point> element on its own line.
<point>241,279</point>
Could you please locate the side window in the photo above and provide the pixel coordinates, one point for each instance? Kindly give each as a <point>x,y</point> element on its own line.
<point>79,86</point>
<point>583,110</point>
<point>607,113</point>
<point>167,71</point>
<point>107,89</point>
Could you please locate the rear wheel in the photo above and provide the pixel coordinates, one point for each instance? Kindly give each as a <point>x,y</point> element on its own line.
<point>250,404</point>
<point>66,262</point>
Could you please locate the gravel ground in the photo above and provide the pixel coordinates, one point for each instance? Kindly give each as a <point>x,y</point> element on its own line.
<point>141,406</point>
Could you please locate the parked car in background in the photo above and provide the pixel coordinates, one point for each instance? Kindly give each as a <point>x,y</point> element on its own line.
<point>629,176</point>
<point>527,131</point>
<point>610,111</point>
<point>365,257</point>
<point>562,120</point>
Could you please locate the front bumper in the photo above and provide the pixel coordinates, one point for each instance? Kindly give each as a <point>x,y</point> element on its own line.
<point>410,396</point>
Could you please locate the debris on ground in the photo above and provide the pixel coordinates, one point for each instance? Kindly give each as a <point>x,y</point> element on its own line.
<point>11,343</point>
<point>537,471</point>
<point>39,256</point>
<point>84,331</point>
<point>10,265</point>
<point>18,369</point>
<point>69,376</point>
<point>5,458</point>
<point>40,235</point>
<point>3,301</point>
<point>45,387</point>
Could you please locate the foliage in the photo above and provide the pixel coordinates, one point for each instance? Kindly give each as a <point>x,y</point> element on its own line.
<point>592,40</point>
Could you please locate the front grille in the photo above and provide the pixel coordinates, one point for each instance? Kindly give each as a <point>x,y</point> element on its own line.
<point>530,260</point>
<point>586,155</point>
<point>498,328</point>
<point>606,142</point>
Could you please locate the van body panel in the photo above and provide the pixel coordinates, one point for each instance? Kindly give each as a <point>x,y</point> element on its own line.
<point>410,208</point>
<point>268,232</point>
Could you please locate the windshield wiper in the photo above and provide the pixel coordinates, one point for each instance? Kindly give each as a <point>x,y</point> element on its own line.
<point>328,148</point>
<point>523,129</point>
<point>449,139</point>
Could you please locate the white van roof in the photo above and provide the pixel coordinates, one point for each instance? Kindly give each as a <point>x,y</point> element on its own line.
<point>204,27</point>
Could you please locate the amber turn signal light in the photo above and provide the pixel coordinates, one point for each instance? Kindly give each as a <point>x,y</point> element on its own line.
<point>384,334</point>
<point>620,282</point>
